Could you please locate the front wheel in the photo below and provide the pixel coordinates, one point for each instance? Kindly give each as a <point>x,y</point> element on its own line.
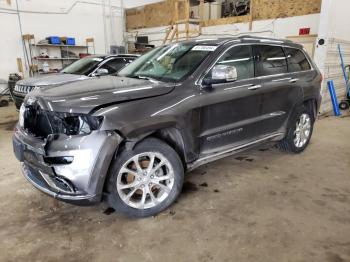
<point>299,131</point>
<point>145,180</point>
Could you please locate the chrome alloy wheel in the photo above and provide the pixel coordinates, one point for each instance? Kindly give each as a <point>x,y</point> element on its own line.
<point>302,130</point>
<point>145,180</point>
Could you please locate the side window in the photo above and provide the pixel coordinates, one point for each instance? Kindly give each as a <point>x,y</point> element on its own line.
<point>114,65</point>
<point>269,60</point>
<point>241,57</point>
<point>296,60</point>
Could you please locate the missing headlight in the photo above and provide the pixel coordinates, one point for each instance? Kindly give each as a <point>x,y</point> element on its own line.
<point>41,123</point>
<point>74,124</point>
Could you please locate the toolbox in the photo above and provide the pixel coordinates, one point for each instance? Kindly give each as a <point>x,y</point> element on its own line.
<point>54,40</point>
<point>68,40</point>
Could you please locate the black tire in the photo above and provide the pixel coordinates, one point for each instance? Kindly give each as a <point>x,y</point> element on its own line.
<point>344,105</point>
<point>147,145</point>
<point>288,144</point>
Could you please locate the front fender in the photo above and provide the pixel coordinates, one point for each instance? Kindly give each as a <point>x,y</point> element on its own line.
<point>135,120</point>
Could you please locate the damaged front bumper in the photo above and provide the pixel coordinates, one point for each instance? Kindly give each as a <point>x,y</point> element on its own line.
<point>68,168</point>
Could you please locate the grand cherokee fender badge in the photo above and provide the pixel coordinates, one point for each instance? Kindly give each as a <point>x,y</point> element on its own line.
<point>227,133</point>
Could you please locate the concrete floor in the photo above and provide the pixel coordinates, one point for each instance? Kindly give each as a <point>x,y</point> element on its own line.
<point>262,206</point>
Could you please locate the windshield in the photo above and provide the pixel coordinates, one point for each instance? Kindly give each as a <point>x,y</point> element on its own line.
<point>168,63</point>
<point>83,66</point>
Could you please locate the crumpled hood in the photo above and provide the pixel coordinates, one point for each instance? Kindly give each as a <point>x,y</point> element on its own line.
<point>51,79</point>
<point>84,96</point>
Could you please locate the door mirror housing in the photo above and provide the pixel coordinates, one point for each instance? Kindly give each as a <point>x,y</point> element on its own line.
<point>221,74</point>
<point>101,72</point>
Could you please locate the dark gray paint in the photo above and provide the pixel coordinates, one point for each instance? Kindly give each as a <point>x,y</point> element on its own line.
<point>202,123</point>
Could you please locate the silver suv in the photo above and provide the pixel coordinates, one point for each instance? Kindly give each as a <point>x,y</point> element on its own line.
<point>96,65</point>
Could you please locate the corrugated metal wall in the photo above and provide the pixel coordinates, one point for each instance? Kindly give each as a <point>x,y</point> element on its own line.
<point>333,71</point>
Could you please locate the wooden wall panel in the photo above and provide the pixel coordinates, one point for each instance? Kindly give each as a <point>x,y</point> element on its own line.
<point>161,14</point>
<point>226,20</point>
<point>269,9</point>
<point>153,15</point>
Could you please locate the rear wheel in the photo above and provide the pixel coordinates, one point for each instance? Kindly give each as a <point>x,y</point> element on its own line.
<point>145,180</point>
<point>299,131</point>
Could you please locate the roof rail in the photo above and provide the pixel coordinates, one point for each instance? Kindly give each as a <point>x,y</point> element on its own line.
<point>264,39</point>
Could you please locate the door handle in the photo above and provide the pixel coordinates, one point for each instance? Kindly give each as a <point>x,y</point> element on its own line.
<point>293,80</point>
<point>254,87</point>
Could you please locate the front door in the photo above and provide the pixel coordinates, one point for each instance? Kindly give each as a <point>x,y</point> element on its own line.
<point>229,113</point>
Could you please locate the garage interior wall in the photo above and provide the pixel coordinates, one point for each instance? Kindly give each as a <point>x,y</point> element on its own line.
<point>279,28</point>
<point>335,31</point>
<point>329,24</point>
<point>83,19</point>
<point>273,18</point>
<point>79,19</point>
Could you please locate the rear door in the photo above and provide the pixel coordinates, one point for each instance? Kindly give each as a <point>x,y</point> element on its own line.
<point>280,89</point>
<point>230,111</point>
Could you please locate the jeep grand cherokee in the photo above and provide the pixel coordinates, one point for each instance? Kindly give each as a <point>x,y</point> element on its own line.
<point>130,138</point>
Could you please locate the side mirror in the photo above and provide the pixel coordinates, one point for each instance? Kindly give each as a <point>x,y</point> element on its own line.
<point>221,74</point>
<point>101,72</point>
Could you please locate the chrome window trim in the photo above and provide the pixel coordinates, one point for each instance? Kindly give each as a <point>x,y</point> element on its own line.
<point>199,80</point>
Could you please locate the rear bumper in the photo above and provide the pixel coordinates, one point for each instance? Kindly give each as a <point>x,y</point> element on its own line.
<point>79,182</point>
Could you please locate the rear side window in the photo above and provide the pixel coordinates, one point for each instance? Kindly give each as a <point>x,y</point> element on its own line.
<point>270,60</point>
<point>241,57</point>
<point>296,60</point>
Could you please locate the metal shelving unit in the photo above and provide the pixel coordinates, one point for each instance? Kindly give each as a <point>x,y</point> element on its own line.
<point>37,61</point>
<point>55,58</point>
<point>60,45</point>
<point>58,55</point>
